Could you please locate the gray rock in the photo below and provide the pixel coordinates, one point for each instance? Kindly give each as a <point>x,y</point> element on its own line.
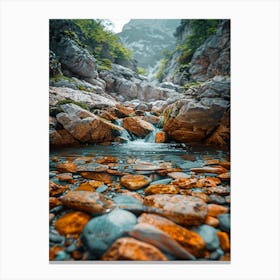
<point>100,232</point>
<point>61,256</point>
<point>161,182</point>
<point>102,189</point>
<point>224,222</point>
<point>216,199</point>
<point>208,233</point>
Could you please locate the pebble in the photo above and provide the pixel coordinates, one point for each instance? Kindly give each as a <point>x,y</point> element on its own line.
<point>208,233</point>
<point>177,175</point>
<point>100,232</point>
<point>108,159</point>
<point>165,171</point>
<point>53,202</point>
<point>214,210</point>
<point>98,176</point>
<point>67,167</point>
<point>211,221</point>
<point>224,240</point>
<point>135,182</point>
<point>129,203</point>
<point>161,189</point>
<point>184,210</point>
<point>216,255</point>
<point>188,239</point>
<point>224,176</point>
<point>219,190</point>
<point>161,182</point>
<point>65,177</point>
<point>102,189</point>
<point>224,221</point>
<point>72,223</point>
<point>89,186</point>
<point>131,249</point>
<point>61,256</point>
<point>152,235</point>
<point>209,169</point>
<point>90,202</point>
<point>56,238</point>
<point>56,190</point>
<point>216,199</point>
<point>185,183</point>
<point>92,167</point>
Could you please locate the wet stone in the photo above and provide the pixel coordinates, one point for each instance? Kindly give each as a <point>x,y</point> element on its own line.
<point>184,210</point>
<point>93,167</point>
<point>185,183</point>
<point>145,167</point>
<point>54,250</point>
<point>65,177</point>
<point>56,190</point>
<point>209,169</point>
<point>102,189</point>
<point>98,176</point>
<point>161,189</point>
<point>152,235</point>
<point>224,176</point>
<point>89,186</point>
<point>219,190</point>
<point>130,203</point>
<point>72,223</point>
<point>214,210</point>
<point>106,160</point>
<point>211,221</point>
<point>100,232</point>
<point>224,240</point>
<point>216,255</point>
<point>160,182</point>
<point>216,199</point>
<point>188,239</point>
<point>201,195</point>
<point>165,171</point>
<point>66,167</point>
<point>224,222</point>
<point>208,233</point>
<point>177,175</point>
<point>53,202</point>
<point>131,249</point>
<point>135,182</point>
<point>90,202</point>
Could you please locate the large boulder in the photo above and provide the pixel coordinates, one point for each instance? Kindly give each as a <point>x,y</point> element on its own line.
<point>212,58</point>
<point>85,126</point>
<point>202,114</point>
<point>137,126</point>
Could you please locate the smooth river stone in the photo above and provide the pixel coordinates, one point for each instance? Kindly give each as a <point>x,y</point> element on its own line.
<point>184,210</point>
<point>224,222</point>
<point>108,159</point>
<point>89,186</point>
<point>224,176</point>
<point>93,167</point>
<point>72,223</point>
<point>135,182</point>
<point>209,169</point>
<point>129,203</point>
<point>145,167</point>
<point>214,210</point>
<point>209,234</point>
<point>133,250</point>
<point>100,232</point>
<point>56,190</point>
<point>65,177</point>
<point>98,176</point>
<point>161,189</point>
<point>177,175</point>
<point>224,241</point>
<point>219,190</point>
<point>87,201</point>
<point>160,182</point>
<point>188,239</point>
<point>67,167</point>
<point>160,239</point>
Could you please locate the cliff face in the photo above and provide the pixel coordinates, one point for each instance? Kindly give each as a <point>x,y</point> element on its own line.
<point>148,38</point>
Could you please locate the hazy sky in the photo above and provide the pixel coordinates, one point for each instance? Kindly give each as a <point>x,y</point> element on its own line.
<point>118,24</point>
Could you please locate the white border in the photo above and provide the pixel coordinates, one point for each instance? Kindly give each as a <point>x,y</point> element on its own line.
<point>24,138</point>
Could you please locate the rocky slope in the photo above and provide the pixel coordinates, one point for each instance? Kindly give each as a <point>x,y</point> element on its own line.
<point>148,38</point>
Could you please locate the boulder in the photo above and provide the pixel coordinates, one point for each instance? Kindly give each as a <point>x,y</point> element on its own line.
<point>184,210</point>
<point>135,182</point>
<point>137,126</point>
<point>100,232</point>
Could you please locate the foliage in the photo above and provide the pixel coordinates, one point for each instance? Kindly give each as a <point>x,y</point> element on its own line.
<point>67,101</point>
<point>72,35</point>
<point>142,71</point>
<point>59,77</point>
<point>104,64</point>
<point>201,30</point>
<point>160,72</point>
<point>191,84</point>
<point>103,43</point>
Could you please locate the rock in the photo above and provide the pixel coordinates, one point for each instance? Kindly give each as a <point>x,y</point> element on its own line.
<point>54,250</point>
<point>225,164</point>
<point>100,232</point>
<point>135,182</point>
<point>160,137</point>
<point>56,190</point>
<point>154,120</point>
<point>211,221</point>
<point>98,176</point>
<point>165,171</point>
<point>67,167</point>
<point>53,202</point>
<point>51,217</point>
<point>62,138</point>
<point>185,183</point>
<point>225,258</point>
<point>89,186</point>
<point>213,56</point>
<point>130,203</point>
<point>209,169</point>
<point>188,239</point>
<point>131,249</point>
<point>200,195</point>
<point>177,175</point>
<point>219,190</point>
<point>61,256</point>
<point>92,167</point>
<point>224,241</point>
<point>224,176</point>
<point>207,182</point>
<point>216,199</point>
<point>161,189</point>
<point>137,126</point>
<point>145,167</point>
<point>65,177</point>
<point>54,65</point>
<point>90,202</point>
<point>224,222</point>
<point>107,160</point>
<point>72,223</point>
<point>158,238</point>
<point>85,126</point>
<point>214,210</point>
<point>160,182</point>
<point>184,210</point>
<point>208,233</point>
<point>102,189</point>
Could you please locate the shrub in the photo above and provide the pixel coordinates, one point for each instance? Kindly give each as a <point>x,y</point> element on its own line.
<point>67,101</point>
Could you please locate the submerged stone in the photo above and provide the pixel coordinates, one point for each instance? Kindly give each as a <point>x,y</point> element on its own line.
<point>135,182</point>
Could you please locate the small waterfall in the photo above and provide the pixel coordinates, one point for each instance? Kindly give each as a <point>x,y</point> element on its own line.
<point>124,134</point>
<point>151,137</point>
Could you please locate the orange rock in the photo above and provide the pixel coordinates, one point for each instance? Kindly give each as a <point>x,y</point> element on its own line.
<point>211,221</point>
<point>212,161</point>
<point>201,195</point>
<point>185,183</point>
<point>128,248</point>
<point>225,258</point>
<point>77,255</point>
<point>85,159</point>
<point>224,176</point>
<point>72,223</point>
<point>107,160</point>
<point>209,169</point>
<point>51,217</point>
<point>65,177</point>
<point>125,110</point>
<point>116,172</point>
<point>54,202</point>
<point>53,252</point>
<point>133,194</point>
<point>55,189</point>
<point>160,137</point>
<point>90,202</point>
<point>137,126</point>
<point>214,210</point>
<point>207,182</point>
<point>157,189</point>
<point>135,182</point>
<point>177,175</point>
<point>188,239</point>
<point>152,119</point>
<point>225,164</point>
<point>67,167</point>
<point>99,176</point>
<point>164,172</point>
<point>224,241</point>
<point>89,186</point>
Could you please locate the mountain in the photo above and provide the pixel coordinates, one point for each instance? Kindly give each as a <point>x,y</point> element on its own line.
<point>148,38</point>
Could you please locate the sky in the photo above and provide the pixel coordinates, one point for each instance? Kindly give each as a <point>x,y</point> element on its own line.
<point>118,24</point>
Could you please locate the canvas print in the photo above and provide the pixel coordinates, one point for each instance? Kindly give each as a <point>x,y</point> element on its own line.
<point>139,134</point>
